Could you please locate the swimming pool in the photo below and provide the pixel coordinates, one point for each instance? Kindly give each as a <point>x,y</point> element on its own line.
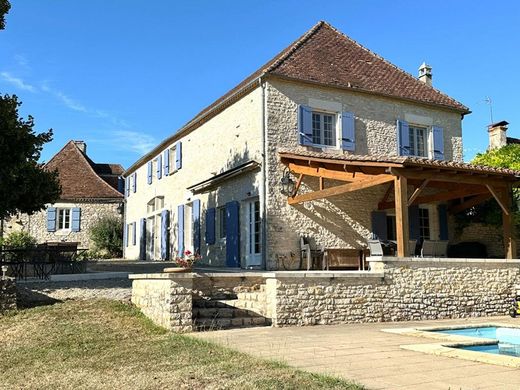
<point>508,339</point>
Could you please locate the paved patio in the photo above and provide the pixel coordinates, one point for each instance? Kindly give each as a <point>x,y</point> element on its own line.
<point>362,353</point>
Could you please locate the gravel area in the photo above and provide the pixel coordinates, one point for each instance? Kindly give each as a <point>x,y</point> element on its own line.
<point>41,293</point>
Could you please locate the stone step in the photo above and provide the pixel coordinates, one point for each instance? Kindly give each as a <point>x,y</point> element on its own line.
<point>207,324</point>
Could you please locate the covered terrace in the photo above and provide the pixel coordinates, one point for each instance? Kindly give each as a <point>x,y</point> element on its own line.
<point>411,180</point>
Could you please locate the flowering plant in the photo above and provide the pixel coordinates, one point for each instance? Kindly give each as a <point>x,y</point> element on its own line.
<point>187,259</point>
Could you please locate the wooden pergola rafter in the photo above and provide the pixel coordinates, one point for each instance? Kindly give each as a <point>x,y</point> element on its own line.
<point>456,181</point>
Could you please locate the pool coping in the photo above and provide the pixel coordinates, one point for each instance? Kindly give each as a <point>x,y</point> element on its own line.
<point>448,347</point>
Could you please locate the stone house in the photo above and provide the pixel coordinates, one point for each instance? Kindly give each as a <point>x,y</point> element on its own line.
<point>368,149</point>
<point>89,191</point>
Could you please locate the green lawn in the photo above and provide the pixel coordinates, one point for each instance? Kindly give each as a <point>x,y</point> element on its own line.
<point>109,345</point>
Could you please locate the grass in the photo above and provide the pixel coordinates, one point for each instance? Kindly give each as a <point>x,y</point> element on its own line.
<point>102,344</point>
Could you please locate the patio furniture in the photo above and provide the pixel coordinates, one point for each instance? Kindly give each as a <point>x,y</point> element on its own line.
<point>344,258</point>
<point>314,257</point>
<point>412,247</point>
<point>375,247</point>
<point>434,248</point>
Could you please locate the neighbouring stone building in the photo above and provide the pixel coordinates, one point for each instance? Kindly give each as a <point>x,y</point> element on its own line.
<point>89,191</point>
<point>331,118</point>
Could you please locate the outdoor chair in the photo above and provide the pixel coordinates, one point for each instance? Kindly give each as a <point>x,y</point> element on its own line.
<point>412,246</point>
<point>375,247</point>
<point>434,248</point>
<point>313,256</point>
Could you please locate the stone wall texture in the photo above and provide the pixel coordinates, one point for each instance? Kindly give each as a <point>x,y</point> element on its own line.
<point>7,294</point>
<point>36,224</point>
<point>342,221</point>
<point>167,302</point>
<point>228,140</point>
<point>409,290</point>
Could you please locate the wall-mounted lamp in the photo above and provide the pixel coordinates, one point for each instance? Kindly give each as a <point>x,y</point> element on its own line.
<point>288,185</point>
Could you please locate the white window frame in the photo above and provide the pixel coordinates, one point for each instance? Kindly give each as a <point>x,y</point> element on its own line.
<point>412,128</point>
<point>335,128</point>
<point>61,220</point>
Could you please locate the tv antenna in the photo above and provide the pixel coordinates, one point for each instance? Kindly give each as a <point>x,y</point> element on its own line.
<point>489,102</point>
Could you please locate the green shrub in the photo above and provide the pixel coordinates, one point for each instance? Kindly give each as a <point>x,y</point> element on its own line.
<point>107,236</point>
<point>18,240</point>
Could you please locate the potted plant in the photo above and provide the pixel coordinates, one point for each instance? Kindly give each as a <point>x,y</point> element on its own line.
<point>184,262</point>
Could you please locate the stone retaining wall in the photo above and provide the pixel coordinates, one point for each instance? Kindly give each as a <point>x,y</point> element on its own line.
<point>409,290</point>
<point>166,300</point>
<point>394,290</point>
<point>7,294</point>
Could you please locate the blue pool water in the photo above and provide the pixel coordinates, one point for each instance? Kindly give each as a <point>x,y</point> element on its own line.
<point>508,339</point>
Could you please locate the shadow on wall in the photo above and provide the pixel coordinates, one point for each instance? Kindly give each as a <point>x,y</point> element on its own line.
<point>237,188</point>
<point>334,223</point>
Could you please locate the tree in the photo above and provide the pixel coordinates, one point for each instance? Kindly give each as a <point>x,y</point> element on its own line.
<point>489,212</point>
<point>107,236</point>
<point>5,6</point>
<point>24,185</point>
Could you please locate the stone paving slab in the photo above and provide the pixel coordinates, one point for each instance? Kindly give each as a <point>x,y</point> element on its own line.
<point>365,354</point>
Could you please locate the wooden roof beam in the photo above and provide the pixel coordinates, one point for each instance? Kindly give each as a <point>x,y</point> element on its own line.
<point>341,189</point>
<point>476,200</point>
<point>441,176</point>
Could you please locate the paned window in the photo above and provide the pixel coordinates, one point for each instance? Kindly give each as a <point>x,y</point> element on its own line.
<point>63,219</point>
<point>424,224</point>
<point>418,141</point>
<point>323,129</point>
<point>222,222</point>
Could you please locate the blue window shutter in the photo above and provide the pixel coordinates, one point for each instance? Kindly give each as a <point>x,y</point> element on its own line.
<point>142,239</point>
<point>165,235</point>
<point>195,211</point>
<point>180,229</point>
<point>134,182</point>
<point>134,233</point>
<point>178,156</point>
<point>379,225</point>
<point>149,172</point>
<point>159,166</point>
<point>348,131</point>
<point>127,187</point>
<point>76,219</point>
<point>438,143</point>
<point>51,219</point>
<point>125,235</point>
<point>443,221</point>
<point>232,234</point>
<point>166,158</point>
<point>403,138</point>
<point>210,226</point>
<point>121,185</point>
<point>305,125</point>
<point>413,222</point>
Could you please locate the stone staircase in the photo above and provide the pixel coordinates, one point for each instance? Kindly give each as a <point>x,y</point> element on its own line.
<point>239,310</point>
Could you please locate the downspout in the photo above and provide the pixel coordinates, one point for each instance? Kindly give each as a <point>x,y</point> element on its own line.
<point>263,186</point>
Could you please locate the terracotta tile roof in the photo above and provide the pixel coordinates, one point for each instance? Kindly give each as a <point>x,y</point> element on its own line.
<point>326,56</point>
<point>405,161</point>
<point>78,177</point>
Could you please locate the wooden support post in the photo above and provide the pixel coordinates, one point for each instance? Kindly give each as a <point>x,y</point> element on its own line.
<point>322,183</point>
<point>401,215</point>
<point>507,221</point>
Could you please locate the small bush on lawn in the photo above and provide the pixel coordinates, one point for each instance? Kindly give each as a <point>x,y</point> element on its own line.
<point>107,236</point>
<point>18,240</point>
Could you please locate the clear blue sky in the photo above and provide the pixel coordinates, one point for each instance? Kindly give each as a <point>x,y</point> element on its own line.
<point>124,74</point>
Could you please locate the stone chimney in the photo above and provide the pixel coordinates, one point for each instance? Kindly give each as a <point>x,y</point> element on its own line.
<point>497,135</point>
<point>425,73</point>
<point>81,146</point>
